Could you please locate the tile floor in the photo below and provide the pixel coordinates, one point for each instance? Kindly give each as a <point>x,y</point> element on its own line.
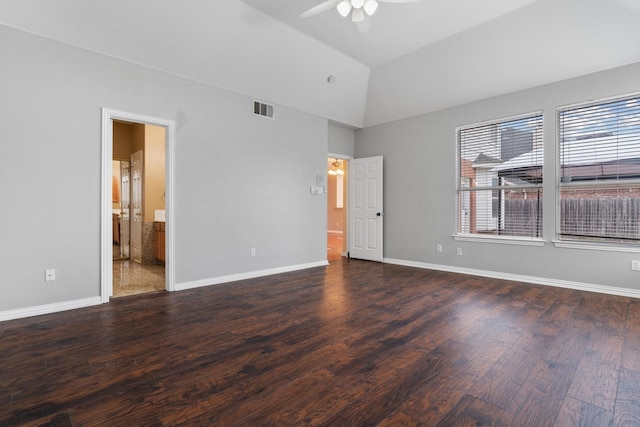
<point>131,278</point>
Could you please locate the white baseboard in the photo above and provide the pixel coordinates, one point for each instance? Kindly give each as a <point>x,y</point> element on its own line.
<point>48,308</point>
<point>588,287</point>
<point>88,302</point>
<point>248,275</point>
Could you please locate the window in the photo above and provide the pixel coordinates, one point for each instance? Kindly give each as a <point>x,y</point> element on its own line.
<point>599,168</point>
<point>500,178</point>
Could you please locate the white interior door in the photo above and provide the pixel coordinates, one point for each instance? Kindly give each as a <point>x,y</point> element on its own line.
<point>136,206</point>
<point>365,208</point>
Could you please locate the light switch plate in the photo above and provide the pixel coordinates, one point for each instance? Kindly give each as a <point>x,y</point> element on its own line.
<point>316,189</point>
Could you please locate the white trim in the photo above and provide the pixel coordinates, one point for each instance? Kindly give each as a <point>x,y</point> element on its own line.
<point>248,275</point>
<point>339,156</point>
<point>579,286</point>
<point>106,206</point>
<point>48,308</point>
<point>595,246</point>
<point>504,240</point>
<point>106,257</point>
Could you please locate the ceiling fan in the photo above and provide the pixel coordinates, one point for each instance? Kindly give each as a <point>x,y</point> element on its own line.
<point>360,10</point>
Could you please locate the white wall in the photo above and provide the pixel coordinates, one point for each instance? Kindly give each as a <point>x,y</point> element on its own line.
<point>546,41</point>
<point>240,181</point>
<point>420,186</point>
<point>226,44</point>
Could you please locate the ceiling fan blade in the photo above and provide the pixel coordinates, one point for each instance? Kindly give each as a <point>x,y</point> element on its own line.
<point>322,7</point>
<point>364,26</point>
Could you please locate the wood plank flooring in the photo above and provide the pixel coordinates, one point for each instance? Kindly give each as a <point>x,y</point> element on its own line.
<point>334,246</point>
<point>352,344</point>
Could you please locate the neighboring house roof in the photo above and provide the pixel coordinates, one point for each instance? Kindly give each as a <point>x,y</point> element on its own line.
<point>527,160</point>
<point>607,156</point>
<point>515,182</point>
<point>484,160</point>
<point>592,151</point>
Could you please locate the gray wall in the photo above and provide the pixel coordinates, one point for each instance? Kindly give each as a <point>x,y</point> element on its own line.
<point>341,140</point>
<point>240,181</point>
<point>420,186</point>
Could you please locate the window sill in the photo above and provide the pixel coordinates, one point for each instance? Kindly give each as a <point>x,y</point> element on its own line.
<point>503,240</point>
<point>593,246</point>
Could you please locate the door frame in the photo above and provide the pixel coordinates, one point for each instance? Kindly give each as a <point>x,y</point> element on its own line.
<point>345,198</point>
<point>106,220</point>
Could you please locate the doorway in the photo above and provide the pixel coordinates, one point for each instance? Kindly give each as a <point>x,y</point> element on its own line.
<point>336,207</point>
<point>138,207</point>
<point>137,204</point>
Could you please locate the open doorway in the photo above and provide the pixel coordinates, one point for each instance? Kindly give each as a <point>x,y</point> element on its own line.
<point>137,243</point>
<point>336,209</point>
<point>138,208</point>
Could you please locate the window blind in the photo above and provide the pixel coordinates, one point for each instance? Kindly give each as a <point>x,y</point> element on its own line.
<point>500,177</point>
<point>599,167</point>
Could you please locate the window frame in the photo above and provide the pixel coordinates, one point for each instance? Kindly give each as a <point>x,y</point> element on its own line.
<point>489,238</point>
<point>605,244</point>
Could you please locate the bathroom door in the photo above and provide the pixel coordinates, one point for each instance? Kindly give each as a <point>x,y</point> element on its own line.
<point>125,199</point>
<point>136,206</point>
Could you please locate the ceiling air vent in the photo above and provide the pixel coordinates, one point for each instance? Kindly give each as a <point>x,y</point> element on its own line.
<point>261,109</point>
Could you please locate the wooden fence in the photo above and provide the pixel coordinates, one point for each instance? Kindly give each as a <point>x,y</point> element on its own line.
<point>522,217</point>
<point>616,217</point>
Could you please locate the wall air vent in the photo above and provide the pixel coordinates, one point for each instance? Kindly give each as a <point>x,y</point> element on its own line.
<point>262,109</point>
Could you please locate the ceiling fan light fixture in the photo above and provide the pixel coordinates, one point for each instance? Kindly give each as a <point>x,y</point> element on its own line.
<point>344,7</point>
<point>370,6</point>
<point>357,15</point>
<point>357,4</point>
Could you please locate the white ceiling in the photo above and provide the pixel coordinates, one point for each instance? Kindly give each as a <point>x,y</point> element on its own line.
<point>396,29</point>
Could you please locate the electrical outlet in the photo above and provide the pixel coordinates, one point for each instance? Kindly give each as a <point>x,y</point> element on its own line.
<point>253,251</point>
<point>459,251</point>
<point>49,275</point>
<point>439,248</point>
<point>635,265</point>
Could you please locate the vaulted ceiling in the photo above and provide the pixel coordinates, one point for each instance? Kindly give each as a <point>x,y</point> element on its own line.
<point>396,29</point>
<point>416,58</point>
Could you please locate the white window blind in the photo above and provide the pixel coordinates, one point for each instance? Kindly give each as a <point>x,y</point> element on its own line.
<point>500,177</point>
<point>599,169</point>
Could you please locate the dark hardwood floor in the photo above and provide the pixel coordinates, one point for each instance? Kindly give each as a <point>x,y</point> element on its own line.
<point>352,344</point>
